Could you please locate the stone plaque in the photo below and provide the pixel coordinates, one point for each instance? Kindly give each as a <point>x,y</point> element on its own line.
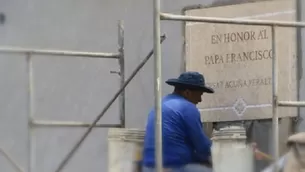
<point>237,61</point>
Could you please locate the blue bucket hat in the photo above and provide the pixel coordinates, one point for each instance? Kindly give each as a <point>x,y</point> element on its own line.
<point>192,80</point>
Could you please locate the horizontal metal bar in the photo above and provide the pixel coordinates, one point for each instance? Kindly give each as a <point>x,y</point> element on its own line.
<point>39,123</point>
<point>291,104</point>
<point>167,16</point>
<point>59,52</point>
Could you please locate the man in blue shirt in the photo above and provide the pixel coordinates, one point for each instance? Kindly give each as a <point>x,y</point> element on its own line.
<point>185,146</point>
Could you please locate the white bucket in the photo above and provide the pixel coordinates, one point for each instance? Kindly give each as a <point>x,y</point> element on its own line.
<point>230,151</point>
<point>124,149</point>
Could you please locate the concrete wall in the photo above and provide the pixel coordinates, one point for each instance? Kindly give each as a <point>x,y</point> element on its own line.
<point>77,89</point>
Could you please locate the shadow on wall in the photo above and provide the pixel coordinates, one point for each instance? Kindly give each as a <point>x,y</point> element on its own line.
<point>2,18</point>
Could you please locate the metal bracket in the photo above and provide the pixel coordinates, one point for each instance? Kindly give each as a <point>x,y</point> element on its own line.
<point>297,120</point>
<point>115,72</point>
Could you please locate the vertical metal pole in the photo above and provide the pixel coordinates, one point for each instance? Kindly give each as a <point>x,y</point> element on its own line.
<point>300,16</point>
<point>158,93</point>
<point>275,122</point>
<point>122,72</point>
<point>30,111</point>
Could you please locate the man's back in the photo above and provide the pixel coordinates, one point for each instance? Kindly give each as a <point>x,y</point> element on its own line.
<point>178,147</point>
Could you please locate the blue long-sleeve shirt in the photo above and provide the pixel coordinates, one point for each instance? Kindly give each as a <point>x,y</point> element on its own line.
<point>183,138</point>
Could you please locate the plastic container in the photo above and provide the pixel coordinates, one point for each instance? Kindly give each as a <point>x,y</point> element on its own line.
<point>230,151</point>
<point>125,149</point>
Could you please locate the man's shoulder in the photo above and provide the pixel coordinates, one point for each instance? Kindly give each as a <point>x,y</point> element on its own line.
<point>178,104</point>
<point>174,101</point>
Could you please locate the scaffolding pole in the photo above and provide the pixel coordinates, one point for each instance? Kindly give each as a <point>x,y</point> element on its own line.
<point>291,104</point>
<point>41,123</point>
<point>275,118</point>
<point>275,102</point>
<point>157,86</point>
<point>174,17</point>
<point>11,160</point>
<point>59,53</point>
<point>31,91</point>
<point>121,73</point>
<point>65,161</point>
<point>30,100</point>
<point>300,16</point>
